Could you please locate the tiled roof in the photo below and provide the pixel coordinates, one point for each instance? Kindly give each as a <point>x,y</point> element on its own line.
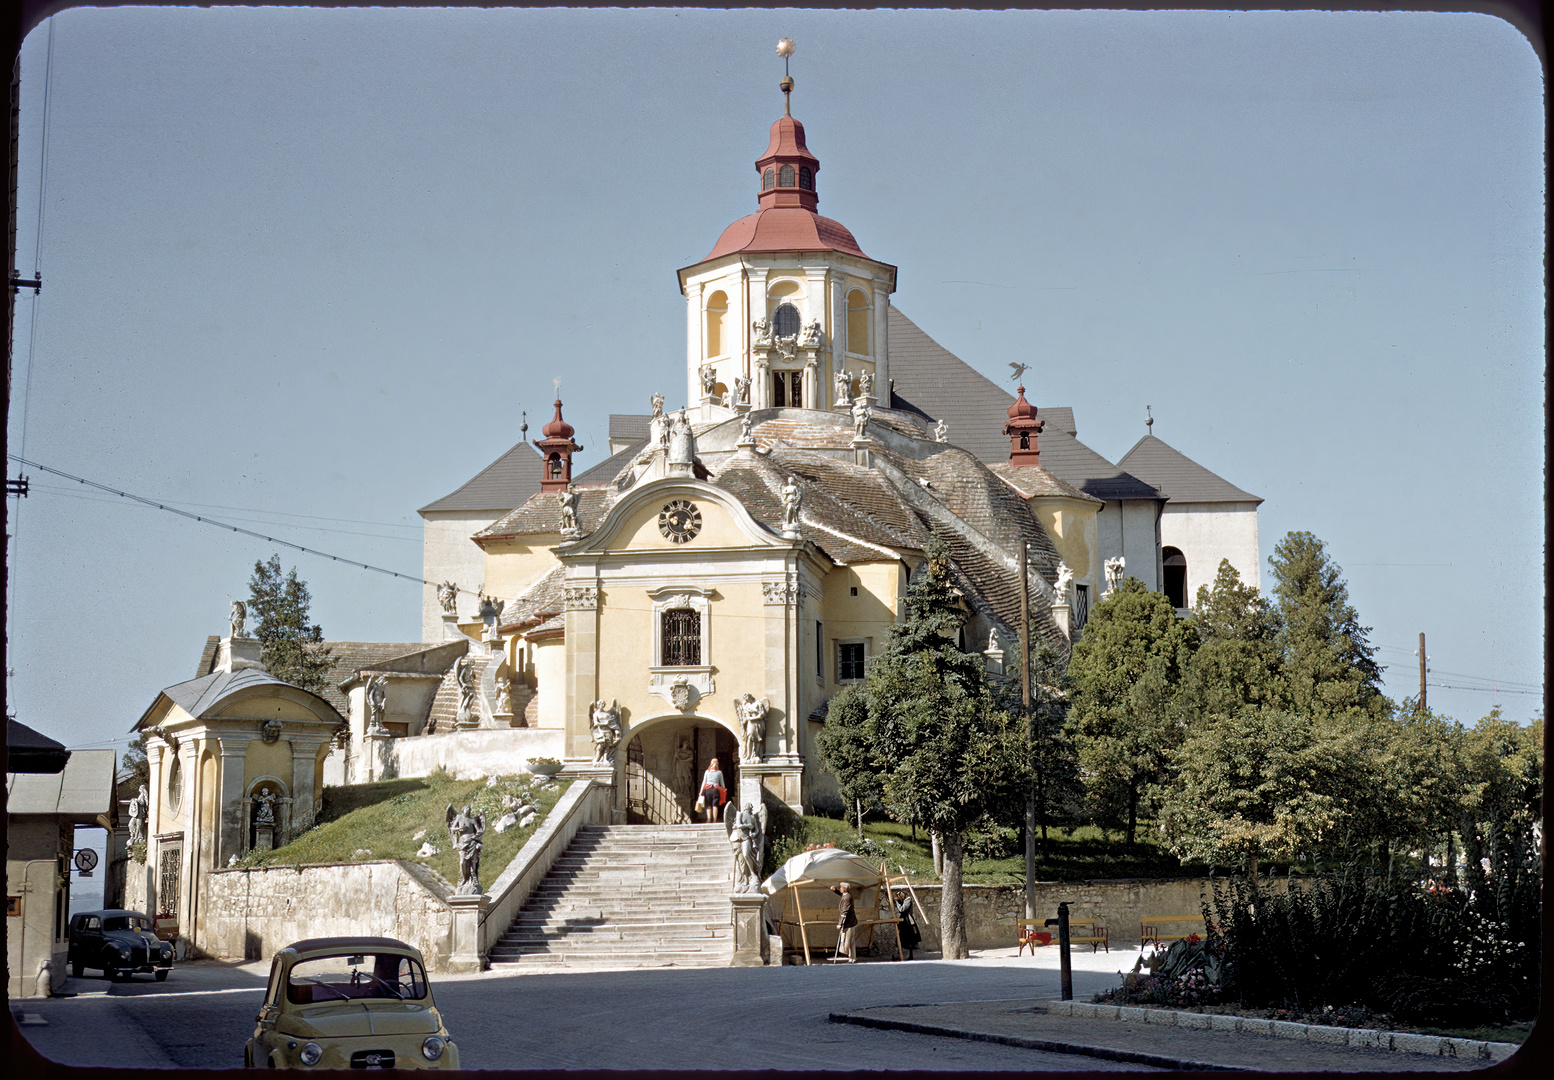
<point>538,602</point>
<point>1179,477</point>
<point>540,515</point>
<point>607,470</point>
<point>633,426</point>
<point>1033,481</point>
<point>784,228</point>
<point>505,483</point>
<point>932,381</point>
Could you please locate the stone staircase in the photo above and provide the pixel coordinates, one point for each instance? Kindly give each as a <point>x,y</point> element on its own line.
<point>625,896</point>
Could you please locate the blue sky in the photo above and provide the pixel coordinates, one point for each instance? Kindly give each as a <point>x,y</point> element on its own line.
<point>304,269</point>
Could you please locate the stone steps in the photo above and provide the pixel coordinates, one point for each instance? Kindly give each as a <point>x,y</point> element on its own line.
<point>628,896</point>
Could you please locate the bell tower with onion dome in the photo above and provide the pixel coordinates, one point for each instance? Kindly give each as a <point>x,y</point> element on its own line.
<point>786,298</point>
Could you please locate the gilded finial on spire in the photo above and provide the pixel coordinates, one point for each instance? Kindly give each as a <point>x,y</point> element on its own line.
<point>785,50</point>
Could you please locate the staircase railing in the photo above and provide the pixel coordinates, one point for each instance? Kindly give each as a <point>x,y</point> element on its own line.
<point>586,802</point>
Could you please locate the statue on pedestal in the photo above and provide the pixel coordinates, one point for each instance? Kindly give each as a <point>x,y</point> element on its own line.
<point>747,843</point>
<point>264,813</point>
<point>709,380</point>
<point>448,597</point>
<point>566,499</point>
<point>861,413</point>
<point>464,675</point>
<point>604,724</point>
<point>377,697</point>
<point>941,431</point>
<point>468,830</point>
<point>812,335</point>
<point>844,385</point>
<point>1114,569</point>
<point>682,441</point>
<point>658,424</point>
<point>1060,587</point>
<point>866,384</point>
<point>741,388</point>
<point>792,499</point>
<point>137,816</point>
<point>238,618</point>
<point>752,726</point>
<point>763,331</point>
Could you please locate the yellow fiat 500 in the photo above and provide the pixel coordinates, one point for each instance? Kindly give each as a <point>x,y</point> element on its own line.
<point>349,1003</point>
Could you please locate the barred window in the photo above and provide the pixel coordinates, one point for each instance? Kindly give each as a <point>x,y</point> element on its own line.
<point>767,179</point>
<point>785,321</point>
<point>682,638</point>
<point>849,661</point>
<point>806,178</point>
<point>785,176</point>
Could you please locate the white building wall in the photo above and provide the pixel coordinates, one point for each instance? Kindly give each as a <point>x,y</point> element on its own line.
<point>1127,528</point>
<point>448,554</point>
<point>1205,533</point>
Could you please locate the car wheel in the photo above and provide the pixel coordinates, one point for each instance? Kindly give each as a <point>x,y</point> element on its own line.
<point>76,970</point>
<point>115,975</point>
<point>161,976</point>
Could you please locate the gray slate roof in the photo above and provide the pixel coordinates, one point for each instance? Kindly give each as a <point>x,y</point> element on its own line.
<point>32,751</point>
<point>81,793</point>
<point>346,658</point>
<point>505,483</point>
<point>1179,477</point>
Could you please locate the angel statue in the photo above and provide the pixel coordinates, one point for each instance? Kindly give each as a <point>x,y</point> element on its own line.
<point>747,843</point>
<point>468,829</point>
<point>1019,370</point>
<point>741,388</point>
<point>941,431</point>
<point>1060,587</point>
<point>1114,568</point>
<point>448,597</point>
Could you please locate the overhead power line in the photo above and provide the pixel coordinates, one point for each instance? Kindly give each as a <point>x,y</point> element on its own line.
<point>222,524</point>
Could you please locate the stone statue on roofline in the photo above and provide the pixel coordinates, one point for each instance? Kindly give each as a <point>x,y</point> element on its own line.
<point>137,816</point>
<point>468,829</point>
<point>861,414</point>
<point>682,441</point>
<point>709,380</point>
<point>448,597</point>
<point>812,338</point>
<point>844,385</point>
<point>237,617</point>
<point>566,500</point>
<point>464,675</point>
<point>792,499</point>
<point>866,384</point>
<point>377,697</point>
<point>741,389</point>
<point>941,431</point>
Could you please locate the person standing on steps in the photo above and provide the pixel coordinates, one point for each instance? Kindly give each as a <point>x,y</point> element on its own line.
<point>846,922</point>
<point>711,800</point>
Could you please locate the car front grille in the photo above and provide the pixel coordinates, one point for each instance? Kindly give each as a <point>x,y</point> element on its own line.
<point>372,1059</point>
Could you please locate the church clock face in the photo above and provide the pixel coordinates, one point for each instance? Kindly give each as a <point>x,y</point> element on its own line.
<point>679,521</point>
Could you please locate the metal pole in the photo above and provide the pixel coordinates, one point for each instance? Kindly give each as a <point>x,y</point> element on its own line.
<point>1025,699</point>
<point>1065,968</point>
<point>1421,672</point>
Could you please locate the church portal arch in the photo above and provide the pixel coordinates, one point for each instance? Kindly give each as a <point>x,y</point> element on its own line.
<point>664,759</point>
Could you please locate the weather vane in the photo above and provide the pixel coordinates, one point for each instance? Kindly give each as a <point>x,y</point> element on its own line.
<point>556,382</point>
<point>1149,419</point>
<point>1019,370</point>
<point>785,50</point>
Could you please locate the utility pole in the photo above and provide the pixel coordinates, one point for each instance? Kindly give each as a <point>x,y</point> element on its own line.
<point>1422,670</point>
<point>1025,700</point>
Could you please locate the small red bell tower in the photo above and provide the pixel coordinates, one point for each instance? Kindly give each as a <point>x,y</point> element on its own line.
<point>556,450</point>
<point>1022,429</point>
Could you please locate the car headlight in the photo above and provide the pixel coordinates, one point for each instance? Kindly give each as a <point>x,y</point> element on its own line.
<point>124,952</point>
<point>167,950</point>
<point>433,1047</point>
<point>310,1054</point>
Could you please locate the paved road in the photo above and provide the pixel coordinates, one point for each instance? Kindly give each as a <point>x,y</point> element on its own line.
<point>719,1018</point>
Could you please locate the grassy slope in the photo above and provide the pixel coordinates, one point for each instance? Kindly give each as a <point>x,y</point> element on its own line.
<point>391,819</point>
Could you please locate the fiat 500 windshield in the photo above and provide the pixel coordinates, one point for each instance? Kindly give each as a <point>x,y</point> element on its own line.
<point>344,978</point>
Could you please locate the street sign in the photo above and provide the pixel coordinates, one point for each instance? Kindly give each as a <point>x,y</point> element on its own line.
<point>86,861</point>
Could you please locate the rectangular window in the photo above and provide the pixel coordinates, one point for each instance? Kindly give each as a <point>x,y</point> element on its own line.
<point>820,653</point>
<point>849,661</point>
<point>1081,605</point>
<point>682,638</point>
<point>787,389</point>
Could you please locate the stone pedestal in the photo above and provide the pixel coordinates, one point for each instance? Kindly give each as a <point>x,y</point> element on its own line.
<point>780,774</point>
<point>450,626</point>
<point>751,948</point>
<point>264,837</point>
<point>861,455</point>
<point>466,954</point>
<point>375,751</point>
<point>238,654</point>
<point>1061,616</point>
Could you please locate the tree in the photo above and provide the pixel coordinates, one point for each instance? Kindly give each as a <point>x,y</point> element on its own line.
<point>944,753</point>
<point>1329,670</point>
<point>1054,767</point>
<point>289,644</point>
<point>1122,710</point>
<point>1258,784</point>
<point>846,745</point>
<point>133,761</point>
<point>1236,662</point>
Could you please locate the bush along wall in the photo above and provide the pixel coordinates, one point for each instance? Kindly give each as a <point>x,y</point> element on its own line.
<point>1366,944</point>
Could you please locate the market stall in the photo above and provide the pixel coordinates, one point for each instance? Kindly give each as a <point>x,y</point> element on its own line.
<point>801,905</point>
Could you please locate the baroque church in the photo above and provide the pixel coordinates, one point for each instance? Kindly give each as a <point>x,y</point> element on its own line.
<point>708,587</point>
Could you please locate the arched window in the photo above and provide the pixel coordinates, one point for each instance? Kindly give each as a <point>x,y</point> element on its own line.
<point>1175,565</point>
<point>682,637</point>
<point>785,177</point>
<point>785,321</point>
<point>806,178</point>
<point>858,322</point>
<point>717,309</point>
<point>555,466</point>
<point>1025,440</point>
<point>768,178</point>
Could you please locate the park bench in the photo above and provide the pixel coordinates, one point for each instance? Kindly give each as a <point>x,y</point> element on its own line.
<point>1034,932</point>
<point>1169,927</point>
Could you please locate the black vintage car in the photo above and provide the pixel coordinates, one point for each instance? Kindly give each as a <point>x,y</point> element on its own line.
<point>119,943</point>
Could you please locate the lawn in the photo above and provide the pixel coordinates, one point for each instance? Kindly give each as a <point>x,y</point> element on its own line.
<point>393,818</point>
<point>1077,854</point>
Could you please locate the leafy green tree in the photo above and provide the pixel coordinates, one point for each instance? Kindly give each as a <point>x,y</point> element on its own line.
<point>133,760</point>
<point>1126,670</point>
<point>1053,765</point>
<point>1236,662</point>
<point>1329,669</point>
<point>846,745</point>
<point>1259,784</point>
<point>289,644</point>
<point>945,754</point>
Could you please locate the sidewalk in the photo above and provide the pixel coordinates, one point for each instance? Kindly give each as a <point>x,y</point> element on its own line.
<point>1153,1037</point>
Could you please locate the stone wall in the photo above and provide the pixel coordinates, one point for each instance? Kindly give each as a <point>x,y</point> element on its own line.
<point>1118,905</point>
<point>252,913</point>
<point>470,754</point>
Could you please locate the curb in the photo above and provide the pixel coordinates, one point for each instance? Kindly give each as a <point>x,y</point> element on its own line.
<point>1135,1057</point>
<point>1401,1042</point>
